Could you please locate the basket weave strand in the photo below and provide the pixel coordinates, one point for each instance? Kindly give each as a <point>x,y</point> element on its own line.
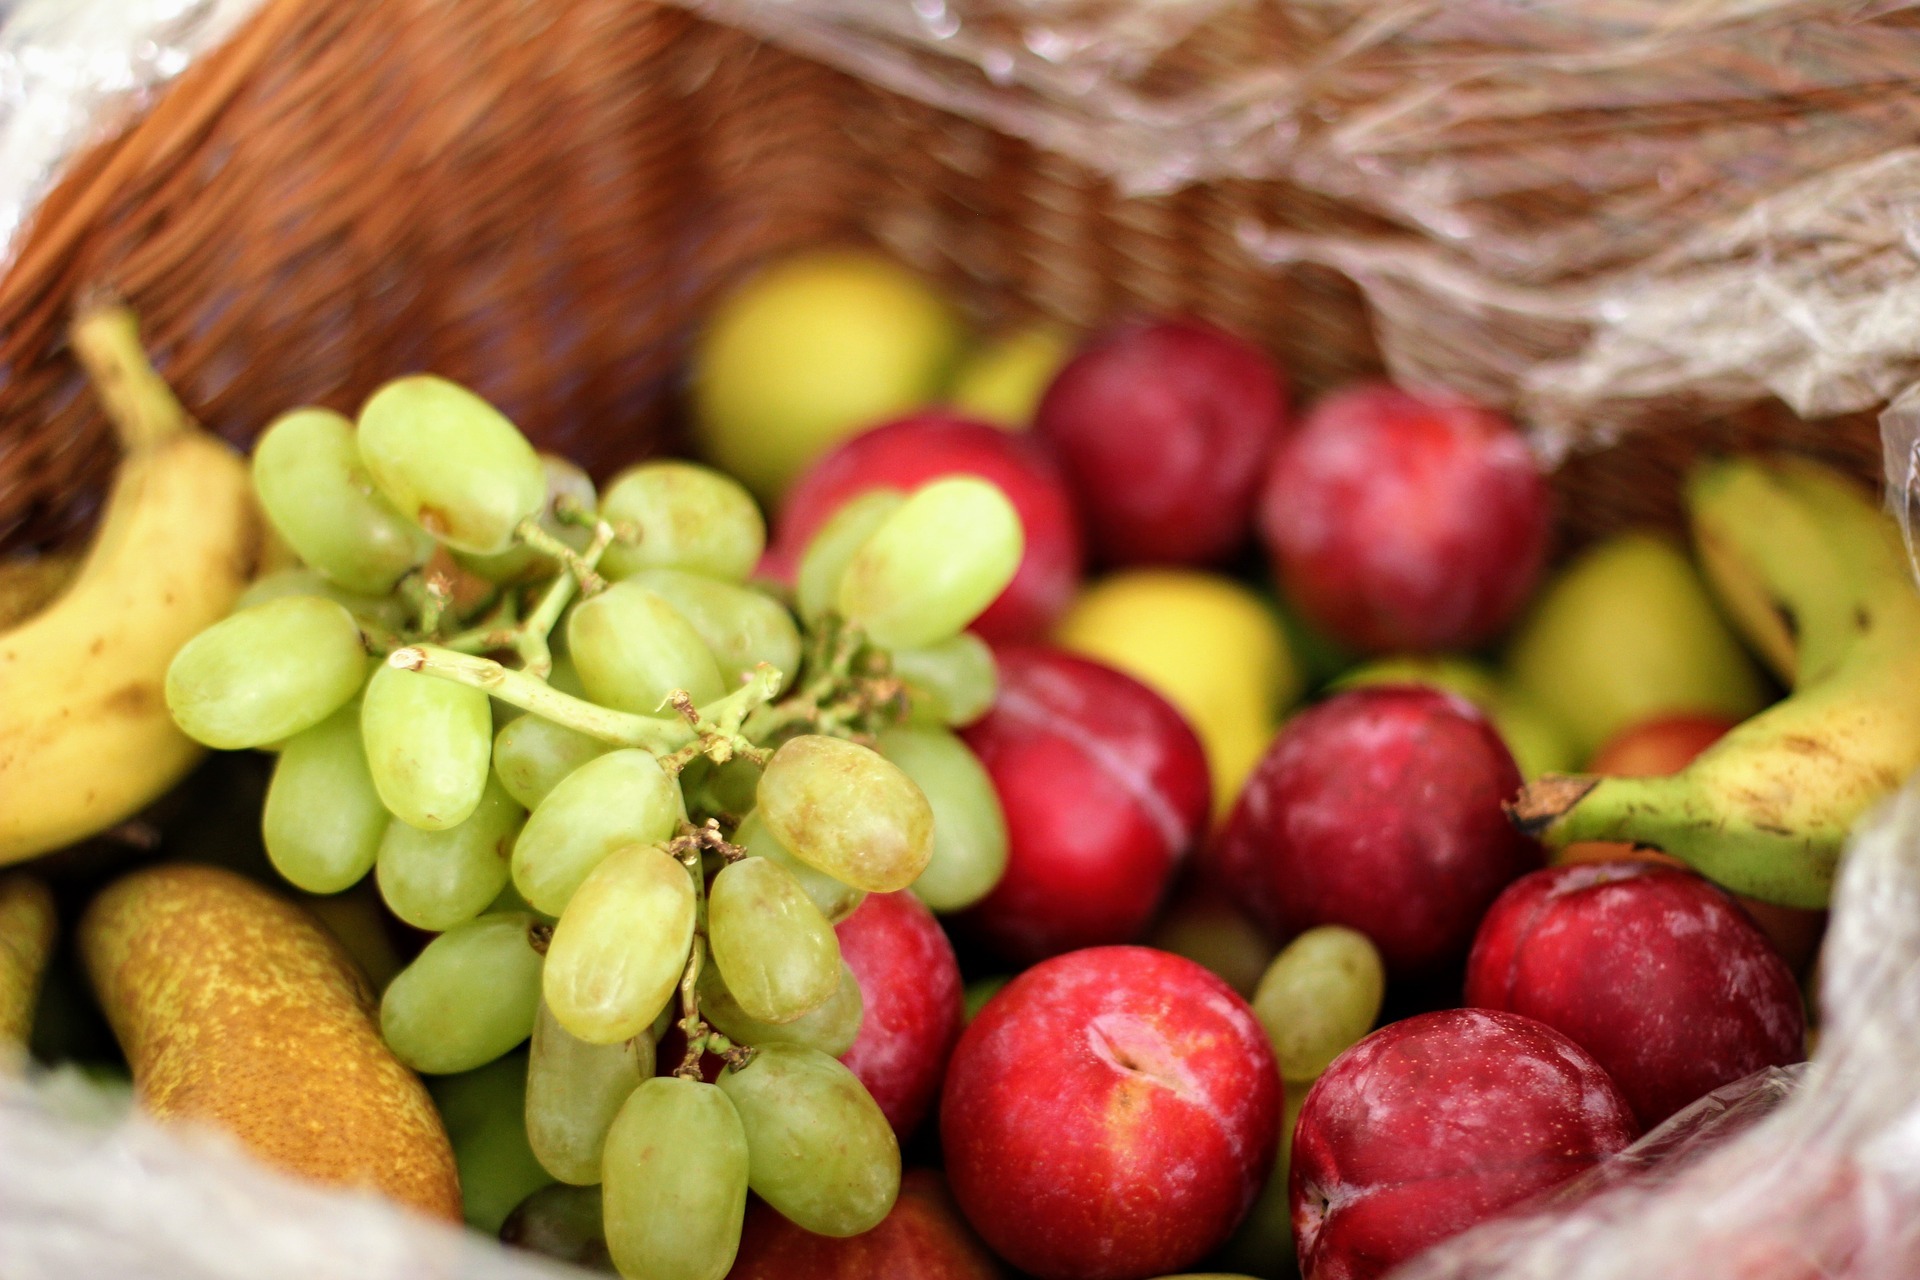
<point>542,200</point>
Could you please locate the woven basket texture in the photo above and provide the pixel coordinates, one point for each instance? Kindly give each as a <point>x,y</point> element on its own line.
<point>542,200</point>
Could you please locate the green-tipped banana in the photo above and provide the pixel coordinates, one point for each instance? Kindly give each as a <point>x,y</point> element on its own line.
<point>1815,575</point>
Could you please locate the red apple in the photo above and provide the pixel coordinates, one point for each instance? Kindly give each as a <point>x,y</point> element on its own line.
<point>923,1238</point>
<point>1110,1115</point>
<point>1652,970</point>
<point>1433,1124</point>
<point>1668,744</point>
<point>1165,426</point>
<point>934,443</point>
<point>912,1003</point>
<point>1406,523</point>
<point>1105,789</point>
<point>1379,809</point>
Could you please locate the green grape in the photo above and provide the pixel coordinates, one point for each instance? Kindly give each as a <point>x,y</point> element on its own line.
<point>518,562</point>
<point>531,754</point>
<point>315,490</point>
<point>674,1190</point>
<point>429,746</point>
<point>621,945</point>
<point>832,1028</point>
<point>689,516</point>
<point>263,675</point>
<point>620,798</point>
<point>323,820</point>
<point>382,611</point>
<point>720,788</point>
<point>843,809</point>
<point>632,649</point>
<point>510,900</point>
<point>934,565</point>
<point>1320,995</point>
<point>819,1149</point>
<point>562,1223</point>
<point>565,676</point>
<point>836,899</point>
<point>777,953</point>
<point>816,586</point>
<point>468,997</point>
<point>451,462</point>
<point>952,682</point>
<point>742,627</point>
<point>969,831</point>
<point>574,1090</point>
<point>434,880</point>
<point>481,1110</point>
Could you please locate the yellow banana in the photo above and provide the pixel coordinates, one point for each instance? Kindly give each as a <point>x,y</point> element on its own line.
<point>1826,585</point>
<point>85,737</point>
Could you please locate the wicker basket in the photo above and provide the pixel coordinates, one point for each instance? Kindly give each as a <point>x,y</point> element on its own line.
<point>541,200</point>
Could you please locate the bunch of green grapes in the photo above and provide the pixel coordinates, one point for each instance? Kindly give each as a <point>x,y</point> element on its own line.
<point>628,788</point>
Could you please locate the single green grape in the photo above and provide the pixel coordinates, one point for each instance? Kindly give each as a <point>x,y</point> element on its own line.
<point>689,516</point>
<point>620,798</point>
<point>621,944</point>
<point>819,1149</point>
<point>574,1090</point>
<point>969,830</point>
<point>778,954</point>
<point>520,562</point>
<point>950,683</point>
<point>740,626</point>
<point>468,997</point>
<point>832,1028</point>
<point>720,788</point>
<point>531,754</point>
<point>816,584</point>
<point>429,745</point>
<point>382,611</point>
<point>451,463</point>
<point>323,819</point>
<point>565,676</point>
<point>264,674</point>
<point>674,1181</point>
<point>563,1223</point>
<point>481,1109</point>
<point>836,898</point>
<point>434,880</point>
<point>632,649</point>
<point>316,491</point>
<point>843,809</point>
<point>934,565</point>
<point>1320,995</point>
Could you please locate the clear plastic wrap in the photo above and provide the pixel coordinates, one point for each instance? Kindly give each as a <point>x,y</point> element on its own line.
<point>1751,226</point>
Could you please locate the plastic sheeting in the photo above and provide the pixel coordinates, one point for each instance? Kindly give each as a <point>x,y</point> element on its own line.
<point>1587,207</point>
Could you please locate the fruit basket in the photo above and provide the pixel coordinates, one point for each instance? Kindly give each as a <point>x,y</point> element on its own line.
<point>541,202</point>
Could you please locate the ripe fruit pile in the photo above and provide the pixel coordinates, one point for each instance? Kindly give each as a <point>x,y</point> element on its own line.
<point>672,798</point>
<point>659,826</point>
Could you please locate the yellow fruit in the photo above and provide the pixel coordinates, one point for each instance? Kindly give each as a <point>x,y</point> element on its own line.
<point>236,1009</point>
<point>1625,633</point>
<point>810,351</point>
<point>26,941</point>
<point>1002,382</point>
<point>1208,645</point>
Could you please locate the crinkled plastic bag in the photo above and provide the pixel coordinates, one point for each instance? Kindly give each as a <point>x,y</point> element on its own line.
<point>1586,208</point>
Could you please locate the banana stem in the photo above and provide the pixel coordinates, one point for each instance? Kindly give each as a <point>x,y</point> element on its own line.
<point>138,402</point>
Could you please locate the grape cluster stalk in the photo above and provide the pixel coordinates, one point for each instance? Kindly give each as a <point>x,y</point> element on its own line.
<point>630,789</point>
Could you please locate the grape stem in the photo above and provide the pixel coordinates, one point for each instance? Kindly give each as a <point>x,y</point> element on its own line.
<point>837,698</point>
<point>536,657</point>
<point>530,532</point>
<point>716,727</point>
